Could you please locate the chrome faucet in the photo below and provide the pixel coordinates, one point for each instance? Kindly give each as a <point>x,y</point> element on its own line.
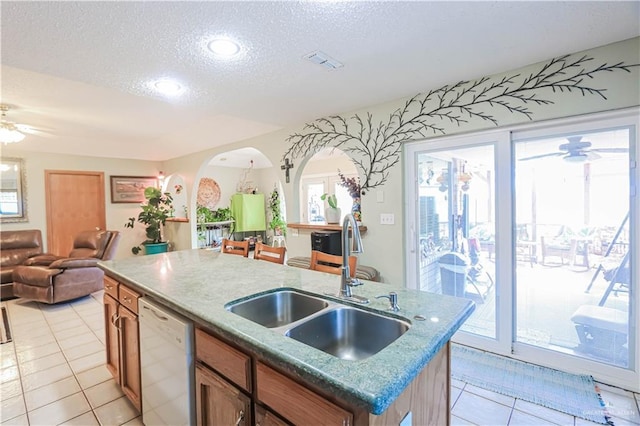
<point>346,281</point>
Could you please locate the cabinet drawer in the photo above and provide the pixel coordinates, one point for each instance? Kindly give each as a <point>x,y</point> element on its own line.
<point>228,361</point>
<point>295,402</point>
<point>111,287</point>
<point>128,298</point>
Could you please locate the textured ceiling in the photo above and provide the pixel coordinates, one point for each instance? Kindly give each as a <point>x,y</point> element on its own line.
<point>79,71</point>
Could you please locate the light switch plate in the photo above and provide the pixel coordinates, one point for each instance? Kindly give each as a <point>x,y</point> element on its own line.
<point>387,219</point>
<point>294,232</point>
<point>380,196</point>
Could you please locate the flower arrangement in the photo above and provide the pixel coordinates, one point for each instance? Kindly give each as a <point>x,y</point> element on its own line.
<point>352,185</point>
<point>178,188</point>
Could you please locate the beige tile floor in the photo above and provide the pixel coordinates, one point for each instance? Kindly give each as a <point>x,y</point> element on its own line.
<point>53,373</point>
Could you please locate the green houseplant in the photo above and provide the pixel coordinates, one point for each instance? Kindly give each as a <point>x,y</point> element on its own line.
<point>277,223</point>
<point>154,215</point>
<point>206,218</point>
<point>333,213</point>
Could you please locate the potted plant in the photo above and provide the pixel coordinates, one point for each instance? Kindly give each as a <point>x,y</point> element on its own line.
<point>333,213</point>
<point>209,225</point>
<point>154,214</point>
<point>277,223</point>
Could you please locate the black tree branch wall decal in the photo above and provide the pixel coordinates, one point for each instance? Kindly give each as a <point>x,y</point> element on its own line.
<point>376,146</point>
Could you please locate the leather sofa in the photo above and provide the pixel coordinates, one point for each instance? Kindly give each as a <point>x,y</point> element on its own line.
<point>53,279</point>
<point>16,247</point>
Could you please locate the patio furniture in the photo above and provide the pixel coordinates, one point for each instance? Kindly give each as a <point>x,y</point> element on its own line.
<point>566,251</point>
<point>619,279</point>
<point>602,332</point>
<point>610,246</point>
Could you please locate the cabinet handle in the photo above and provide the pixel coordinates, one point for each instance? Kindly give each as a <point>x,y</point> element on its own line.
<point>114,318</point>
<point>240,417</point>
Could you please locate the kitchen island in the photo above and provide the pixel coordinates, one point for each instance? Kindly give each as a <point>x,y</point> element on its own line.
<point>199,283</point>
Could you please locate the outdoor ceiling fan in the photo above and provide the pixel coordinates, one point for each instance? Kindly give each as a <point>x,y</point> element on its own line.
<point>577,150</point>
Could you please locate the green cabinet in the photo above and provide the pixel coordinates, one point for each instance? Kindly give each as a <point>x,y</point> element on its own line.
<point>248,210</point>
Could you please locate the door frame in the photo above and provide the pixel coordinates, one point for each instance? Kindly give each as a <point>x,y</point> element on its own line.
<point>49,200</point>
<point>505,342</point>
<point>502,201</point>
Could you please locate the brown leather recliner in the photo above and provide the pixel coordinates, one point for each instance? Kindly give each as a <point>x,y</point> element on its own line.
<point>51,279</point>
<point>16,247</point>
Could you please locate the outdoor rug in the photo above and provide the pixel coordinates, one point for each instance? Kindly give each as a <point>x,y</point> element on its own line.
<point>573,394</point>
<point>5,331</point>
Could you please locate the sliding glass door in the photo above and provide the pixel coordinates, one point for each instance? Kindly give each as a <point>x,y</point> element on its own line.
<point>455,224</point>
<point>540,228</point>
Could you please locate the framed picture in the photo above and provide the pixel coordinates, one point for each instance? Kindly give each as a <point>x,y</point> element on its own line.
<point>130,189</point>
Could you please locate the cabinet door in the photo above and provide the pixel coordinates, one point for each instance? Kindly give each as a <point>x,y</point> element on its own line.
<point>111,336</point>
<point>264,417</point>
<point>218,402</point>
<point>295,402</point>
<point>130,355</point>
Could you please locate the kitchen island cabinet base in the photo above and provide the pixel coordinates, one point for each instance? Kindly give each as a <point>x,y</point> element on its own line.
<point>297,402</point>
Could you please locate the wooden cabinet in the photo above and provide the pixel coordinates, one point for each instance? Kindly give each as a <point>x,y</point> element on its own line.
<point>226,386</point>
<point>122,338</point>
<point>265,417</point>
<point>218,402</point>
<point>231,382</point>
<point>294,401</point>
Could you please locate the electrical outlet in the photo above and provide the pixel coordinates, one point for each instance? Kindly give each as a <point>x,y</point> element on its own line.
<point>387,219</point>
<point>294,232</point>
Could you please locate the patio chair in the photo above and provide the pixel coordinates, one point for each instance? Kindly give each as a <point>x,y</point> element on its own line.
<point>477,276</point>
<point>459,272</point>
<point>566,251</point>
<point>619,279</point>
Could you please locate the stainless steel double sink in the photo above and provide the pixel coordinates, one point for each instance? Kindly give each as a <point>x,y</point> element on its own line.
<point>340,330</point>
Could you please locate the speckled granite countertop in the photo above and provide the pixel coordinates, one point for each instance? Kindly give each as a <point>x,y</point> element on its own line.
<point>199,283</point>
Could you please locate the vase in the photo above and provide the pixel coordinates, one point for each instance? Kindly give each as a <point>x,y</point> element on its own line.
<point>356,209</point>
<point>155,248</point>
<point>333,215</point>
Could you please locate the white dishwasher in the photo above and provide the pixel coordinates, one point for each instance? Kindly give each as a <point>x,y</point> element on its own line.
<point>167,364</point>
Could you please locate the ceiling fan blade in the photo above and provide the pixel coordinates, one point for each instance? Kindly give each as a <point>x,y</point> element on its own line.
<point>610,150</point>
<point>591,155</point>
<point>24,128</point>
<point>535,157</point>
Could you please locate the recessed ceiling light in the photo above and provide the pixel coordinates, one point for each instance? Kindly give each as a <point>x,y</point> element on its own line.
<point>168,87</point>
<point>224,47</point>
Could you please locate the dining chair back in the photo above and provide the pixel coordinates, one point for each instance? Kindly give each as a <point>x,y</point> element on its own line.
<point>235,247</point>
<point>325,262</point>
<point>268,253</point>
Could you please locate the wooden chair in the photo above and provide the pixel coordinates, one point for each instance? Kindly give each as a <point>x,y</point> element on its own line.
<point>235,247</point>
<point>268,253</point>
<point>331,263</point>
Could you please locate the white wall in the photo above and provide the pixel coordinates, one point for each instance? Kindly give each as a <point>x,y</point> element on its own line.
<point>384,244</point>
<point>117,214</point>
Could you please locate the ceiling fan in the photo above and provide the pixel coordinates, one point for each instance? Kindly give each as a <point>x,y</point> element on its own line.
<point>11,132</point>
<point>576,150</point>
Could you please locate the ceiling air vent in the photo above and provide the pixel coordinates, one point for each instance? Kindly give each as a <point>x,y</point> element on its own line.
<point>324,60</point>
